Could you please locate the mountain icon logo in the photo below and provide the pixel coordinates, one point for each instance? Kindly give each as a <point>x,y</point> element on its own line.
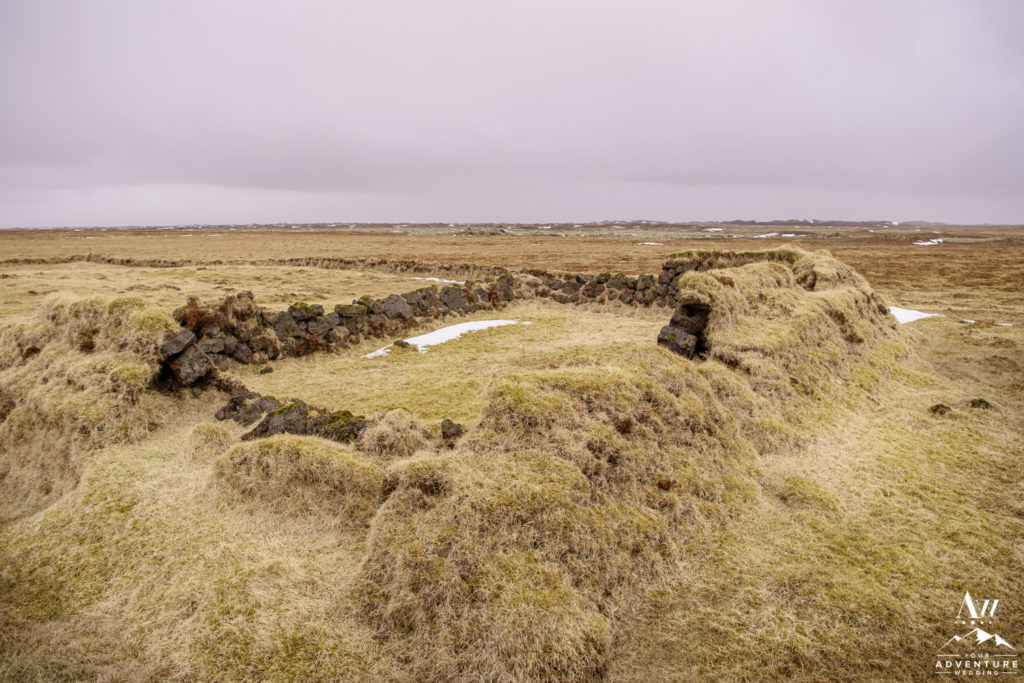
<point>973,640</point>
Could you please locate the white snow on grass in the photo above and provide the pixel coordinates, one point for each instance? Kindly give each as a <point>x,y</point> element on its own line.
<point>437,279</point>
<point>928,243</point>
<point>445,334</point>
<point>788,234</point>
<point>1005,324</point>
<point>767,234</point>
<point>906,315</point>
<point>969,322</point>
<point>653,244</point>
<point>713,229</point>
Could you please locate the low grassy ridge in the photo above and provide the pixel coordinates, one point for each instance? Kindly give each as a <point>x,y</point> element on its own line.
<point>786,508</point>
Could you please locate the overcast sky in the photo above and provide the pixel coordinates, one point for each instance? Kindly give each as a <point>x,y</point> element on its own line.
<point>150,113</point>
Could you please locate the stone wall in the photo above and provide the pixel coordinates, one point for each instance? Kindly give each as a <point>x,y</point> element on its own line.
<point>237,329</point>
<point>635,290</point>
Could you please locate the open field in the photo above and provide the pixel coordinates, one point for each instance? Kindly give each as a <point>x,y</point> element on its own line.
<point>787,508</point>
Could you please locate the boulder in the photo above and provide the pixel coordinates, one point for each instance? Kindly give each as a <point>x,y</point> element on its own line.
<point>291,418</point>
<point>219,361</point>
<point>302,311</point>
<point>285,326</point>
<point>252,412</point>
<point>176,344</point>
<point>678,340</point>
<point>318,327</point>
<point>234,404</point>
<point>451,430</point>
<point>341,426</point>
<point>395,307</point>
<point>571,287</point>
<point>242,353</point>
<point>692,318</point>
<point>454,298</point>
<point>190,366</point>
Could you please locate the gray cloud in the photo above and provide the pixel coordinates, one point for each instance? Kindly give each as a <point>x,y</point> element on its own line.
<point>157,112</point>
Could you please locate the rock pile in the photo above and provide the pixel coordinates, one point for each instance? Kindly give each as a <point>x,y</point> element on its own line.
<point>684,333</point>
<point>294,417</point>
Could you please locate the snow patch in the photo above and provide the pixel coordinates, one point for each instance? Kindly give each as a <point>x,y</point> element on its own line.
<point>713,229</point>
<point>906,315</point>
<point>1005,324</point>
<point>445,334</point>
<point>928,243</point>
<point>653,244</point>
<point>437,279</point>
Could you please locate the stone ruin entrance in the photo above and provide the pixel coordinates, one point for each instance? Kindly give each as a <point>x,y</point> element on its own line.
<point>684,333</point>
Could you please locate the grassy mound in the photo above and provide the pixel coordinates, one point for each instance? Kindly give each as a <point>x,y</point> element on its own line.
<point>72,380</point>
<point>581,484</point>
<point>206,441</point>
<point>393,434</point>
<point>304,475</point>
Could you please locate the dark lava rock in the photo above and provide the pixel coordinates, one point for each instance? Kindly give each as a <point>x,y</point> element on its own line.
<point>318,327</point>
<point>247,414</point>
<point>242,353</point>
<point>211,344</point>
<point>176,344</point>
<point>617,281</point>
<point>645,282</point>
<point>940,409</point>
<point>692,318</point>
<point>291,418</point>
<point>451,430</point>
<point>678,340</point>
<point>341,426</point>
<point>266,370</point>
<point>980,403</point>
<point>220,362</point>
<point>454,298</point>
<point>284,326</point>
<point>397,307</point>
<point>301,311</point>
<point>191,366</point>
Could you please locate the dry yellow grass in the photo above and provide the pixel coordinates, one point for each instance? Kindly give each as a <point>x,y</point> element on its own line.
<point>24,287</point>
<point>76,378</point>
<point>449,380</point>
<point>786,509</point>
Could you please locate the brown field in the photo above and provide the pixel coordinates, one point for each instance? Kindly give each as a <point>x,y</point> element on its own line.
<point>787,510</point>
